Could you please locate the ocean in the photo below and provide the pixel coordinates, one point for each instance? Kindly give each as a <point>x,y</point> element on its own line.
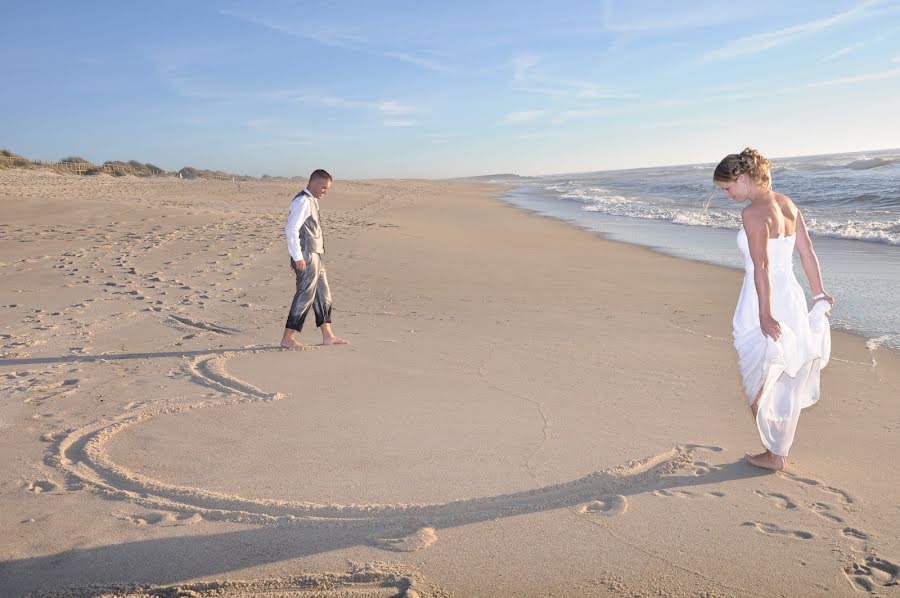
<point>851,204</point>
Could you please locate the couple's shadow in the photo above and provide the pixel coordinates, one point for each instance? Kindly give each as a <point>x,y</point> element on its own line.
<point>220,350</point>
<point>170,560</point>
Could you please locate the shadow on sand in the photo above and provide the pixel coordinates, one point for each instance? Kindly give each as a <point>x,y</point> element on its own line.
<point>174,559</point>
<point>124,356</point>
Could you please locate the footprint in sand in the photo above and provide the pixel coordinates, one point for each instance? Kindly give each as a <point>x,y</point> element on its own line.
<point>771,528</point>
<point>418,540</point>
<point>703,468</point>
<point>846,498</point>
<point>872,574</point>
<point>163,519</point>
<point>783,500</point>
<point>40,486</point>
<point>608,506</point>
<point>823,509</point>
<point>859,540</point>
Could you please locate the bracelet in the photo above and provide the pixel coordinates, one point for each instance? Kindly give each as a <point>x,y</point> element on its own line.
<point>821,295</point>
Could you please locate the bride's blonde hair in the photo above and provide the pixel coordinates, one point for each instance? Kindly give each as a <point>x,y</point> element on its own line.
<point>749,162</point>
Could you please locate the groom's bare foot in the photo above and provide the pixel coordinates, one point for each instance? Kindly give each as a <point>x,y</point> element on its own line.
<point>335,340</point>
<point>767,460</point>
<point>292,344</point>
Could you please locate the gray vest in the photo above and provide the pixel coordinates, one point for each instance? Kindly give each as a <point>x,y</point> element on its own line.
<point>311,230</point>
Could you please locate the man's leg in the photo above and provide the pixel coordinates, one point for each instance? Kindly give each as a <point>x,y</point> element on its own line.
<point>322,307</point>
<point>307,281</point>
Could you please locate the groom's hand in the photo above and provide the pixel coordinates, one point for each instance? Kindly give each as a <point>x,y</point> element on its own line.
<point>300,265</point>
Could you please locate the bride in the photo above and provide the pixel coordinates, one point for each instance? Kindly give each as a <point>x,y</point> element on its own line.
<point>781,345</point>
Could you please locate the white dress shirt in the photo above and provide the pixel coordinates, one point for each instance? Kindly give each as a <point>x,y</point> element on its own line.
<point>299,212</point>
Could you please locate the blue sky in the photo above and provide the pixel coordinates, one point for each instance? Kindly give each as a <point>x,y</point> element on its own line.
<point>439,89</point>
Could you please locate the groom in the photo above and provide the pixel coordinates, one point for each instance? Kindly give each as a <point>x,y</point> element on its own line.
<point>305,244</point>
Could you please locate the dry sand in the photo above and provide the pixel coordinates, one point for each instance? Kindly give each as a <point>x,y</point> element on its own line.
<point>526,409</point>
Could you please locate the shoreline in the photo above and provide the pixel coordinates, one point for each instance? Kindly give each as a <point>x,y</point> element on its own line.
<point>526,407</point>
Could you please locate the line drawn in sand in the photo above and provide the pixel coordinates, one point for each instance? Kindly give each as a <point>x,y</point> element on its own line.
<point>80,453</point>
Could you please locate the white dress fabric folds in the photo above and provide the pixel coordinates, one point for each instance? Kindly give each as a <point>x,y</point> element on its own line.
<point>786,370</point>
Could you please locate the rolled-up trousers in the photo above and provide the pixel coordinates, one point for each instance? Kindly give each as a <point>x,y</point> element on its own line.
<point>312,291</point>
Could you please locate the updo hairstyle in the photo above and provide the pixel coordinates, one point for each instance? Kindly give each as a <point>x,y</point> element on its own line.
<point>749,162</point>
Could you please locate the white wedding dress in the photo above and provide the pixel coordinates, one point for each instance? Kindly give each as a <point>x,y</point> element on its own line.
<point>786,370</point>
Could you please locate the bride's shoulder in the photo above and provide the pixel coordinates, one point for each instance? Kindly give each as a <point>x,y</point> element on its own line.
<point>786,206</point>
<point>753,217</point>
<point>783,201</point>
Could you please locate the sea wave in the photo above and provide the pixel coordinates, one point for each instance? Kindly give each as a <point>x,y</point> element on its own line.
<point>887,232</point>
<point>819,222</point>
<point>870,202</point>
<point>835,162</point>
<point>866,164</point>
<point>599,200</point>
<point>884,341</point>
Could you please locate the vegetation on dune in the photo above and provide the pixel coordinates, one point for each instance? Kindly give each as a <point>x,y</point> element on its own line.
<point>80,166</point>
<point>189,173</point>
<point>12,160</point>
<point>154,169</point>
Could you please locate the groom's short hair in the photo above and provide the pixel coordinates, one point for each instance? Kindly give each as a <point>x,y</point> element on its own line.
<point>320,174</point>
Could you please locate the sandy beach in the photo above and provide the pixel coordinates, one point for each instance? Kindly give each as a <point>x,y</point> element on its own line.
<point>527,409</point>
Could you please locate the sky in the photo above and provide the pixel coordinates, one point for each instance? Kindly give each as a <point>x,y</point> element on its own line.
<point>435,89</point>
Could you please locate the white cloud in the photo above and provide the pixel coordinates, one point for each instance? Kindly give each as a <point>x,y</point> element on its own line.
<point>523,64</point>
<point>330,101</point>
<point>847,80</point>
<point>593,91</point>
<point>427,63</point>
<point>186,87</point>
<point>522,116</point>
<point>877,76</point>
<point>392,107</point>
<point>662,16</point>
<point>327,36</point>
<point>280,132</point>
<point>568,115</point>
<point>690,123</point>
<point>527,78</point>
<point>841,52</point>
<point>729,88</point>
<point>258,124</point>
<point>531,136</point>
<point>439,138</point>
<point>760,42</point>
<point>401,123</point>
<point>345,38</point>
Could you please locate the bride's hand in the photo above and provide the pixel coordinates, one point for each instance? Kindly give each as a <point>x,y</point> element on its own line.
<point>770,327</point>
<point>823,296</point>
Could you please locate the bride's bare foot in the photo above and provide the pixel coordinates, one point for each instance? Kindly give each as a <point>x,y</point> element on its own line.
<point>767,460</point>
<point>335,340</point>
<point>292,344</point>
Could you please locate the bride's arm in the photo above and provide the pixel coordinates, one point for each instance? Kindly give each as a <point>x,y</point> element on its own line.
<point>810,260</point>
